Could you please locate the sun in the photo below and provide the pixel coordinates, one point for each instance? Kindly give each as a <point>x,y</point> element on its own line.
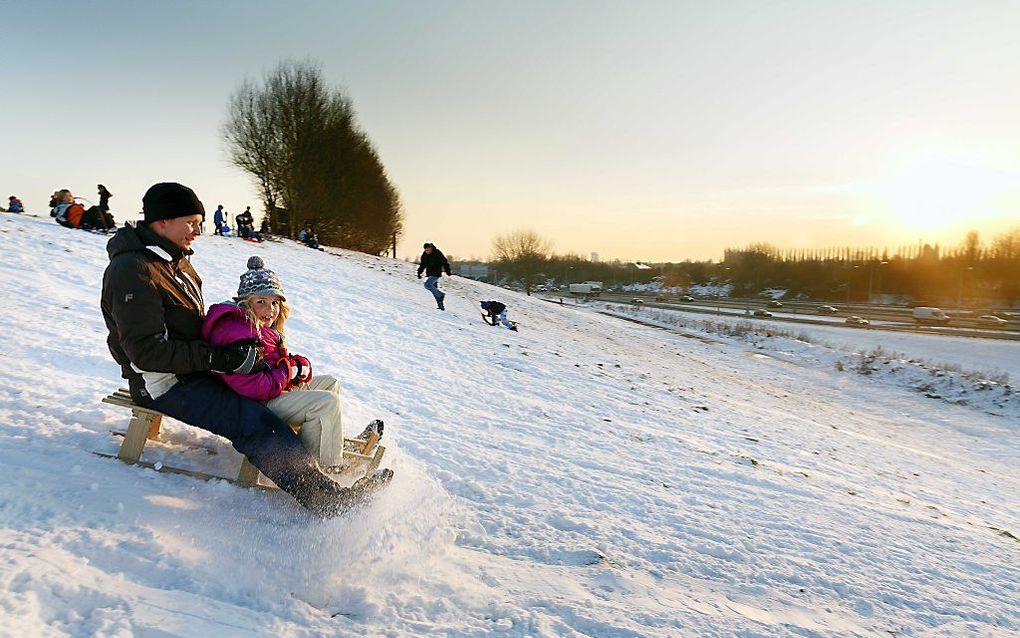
<point>938,192</point>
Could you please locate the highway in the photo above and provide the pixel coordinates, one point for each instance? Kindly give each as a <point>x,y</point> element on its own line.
<point>881,317</point>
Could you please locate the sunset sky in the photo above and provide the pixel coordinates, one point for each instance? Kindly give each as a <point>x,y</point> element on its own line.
<point>640,130</point>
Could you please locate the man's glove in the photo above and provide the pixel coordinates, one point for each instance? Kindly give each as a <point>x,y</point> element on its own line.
<point>242,357</point>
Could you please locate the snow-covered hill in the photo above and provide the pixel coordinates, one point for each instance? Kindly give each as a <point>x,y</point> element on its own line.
<point>586,476</point>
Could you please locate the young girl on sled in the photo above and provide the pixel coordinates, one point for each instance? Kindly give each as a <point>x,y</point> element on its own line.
<point>285,383</point>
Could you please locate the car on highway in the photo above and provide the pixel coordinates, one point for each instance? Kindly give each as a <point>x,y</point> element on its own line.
<point>687,298</point>
<point>857,321</point>
<point>827,310</point>
<point>930,315</point>
<point>761,312</point>
<point>991,320</point>
<point>775,304</point>
<point>637,300</point>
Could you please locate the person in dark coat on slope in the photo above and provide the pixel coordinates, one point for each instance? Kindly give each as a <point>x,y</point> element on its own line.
<point>104,198</point>
<point>219,218</point>
<point>433,263</point>
<point>153,307</point>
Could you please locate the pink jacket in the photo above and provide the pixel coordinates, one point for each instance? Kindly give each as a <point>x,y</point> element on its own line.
<point>227,323</point>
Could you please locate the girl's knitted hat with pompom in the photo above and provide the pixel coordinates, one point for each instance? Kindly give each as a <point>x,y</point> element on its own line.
<point>259,280</point>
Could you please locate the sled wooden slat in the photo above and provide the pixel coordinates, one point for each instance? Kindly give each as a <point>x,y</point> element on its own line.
<point>208,449</point>
<point>144,426</point>
<point>169,469</point>
<point>373,465</point>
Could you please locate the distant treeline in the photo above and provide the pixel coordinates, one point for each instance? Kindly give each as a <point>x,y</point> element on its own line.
<point>971,273</point>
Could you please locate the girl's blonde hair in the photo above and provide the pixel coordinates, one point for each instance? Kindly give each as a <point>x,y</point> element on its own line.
<point>281,319</point>
<point>64,196</point>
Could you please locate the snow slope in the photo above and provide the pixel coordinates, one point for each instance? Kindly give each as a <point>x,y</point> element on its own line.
<point>584,477</point>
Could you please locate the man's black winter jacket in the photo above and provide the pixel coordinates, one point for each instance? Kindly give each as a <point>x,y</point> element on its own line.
<point>153,307</point>
<point>433,265</point>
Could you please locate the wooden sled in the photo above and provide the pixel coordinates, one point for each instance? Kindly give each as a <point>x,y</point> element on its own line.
<point>485,318</point>
<point>145,424</point>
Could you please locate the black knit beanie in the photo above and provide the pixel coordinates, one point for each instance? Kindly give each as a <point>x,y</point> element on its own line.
<point>167,200</point>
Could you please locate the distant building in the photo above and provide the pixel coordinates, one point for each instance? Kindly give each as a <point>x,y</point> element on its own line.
<point>594,258</point>
<point>473,270</point>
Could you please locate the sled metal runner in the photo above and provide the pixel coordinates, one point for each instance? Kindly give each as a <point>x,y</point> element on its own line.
<point>145,425</point>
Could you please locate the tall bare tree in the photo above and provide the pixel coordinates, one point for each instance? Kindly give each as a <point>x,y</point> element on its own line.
<point>522,254</point>
<point>298,138</point>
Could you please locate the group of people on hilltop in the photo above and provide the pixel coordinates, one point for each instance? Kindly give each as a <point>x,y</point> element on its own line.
<point>245,222</point>
<point>70,213</point>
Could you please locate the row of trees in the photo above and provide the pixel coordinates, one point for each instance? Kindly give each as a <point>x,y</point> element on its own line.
<point>299,140</point>
<point>972,272</point>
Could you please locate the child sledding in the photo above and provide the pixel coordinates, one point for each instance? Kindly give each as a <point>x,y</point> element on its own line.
<point>284,383</point>
<point>494,314</point>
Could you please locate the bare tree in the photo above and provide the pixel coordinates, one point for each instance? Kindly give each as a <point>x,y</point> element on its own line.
<point>299,140</point>
<point>523,254</point>
<point>251,141</point>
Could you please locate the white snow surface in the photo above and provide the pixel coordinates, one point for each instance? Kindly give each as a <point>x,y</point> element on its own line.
<point>991,357</point>
<point>586,476</point>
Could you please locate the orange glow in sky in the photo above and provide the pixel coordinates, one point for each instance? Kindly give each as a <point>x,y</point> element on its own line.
<point>653,130</point>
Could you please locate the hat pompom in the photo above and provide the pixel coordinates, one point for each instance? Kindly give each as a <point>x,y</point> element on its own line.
<point>255,262</point>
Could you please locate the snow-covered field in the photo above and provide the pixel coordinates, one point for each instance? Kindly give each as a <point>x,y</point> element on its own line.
<point>960,370</point>
<point>992,357</point>
<point>586,476</point>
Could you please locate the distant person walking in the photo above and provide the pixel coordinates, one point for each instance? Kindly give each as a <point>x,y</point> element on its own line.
<point>433,263</point>
<point>218,218</point>
<point>104,198</point>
